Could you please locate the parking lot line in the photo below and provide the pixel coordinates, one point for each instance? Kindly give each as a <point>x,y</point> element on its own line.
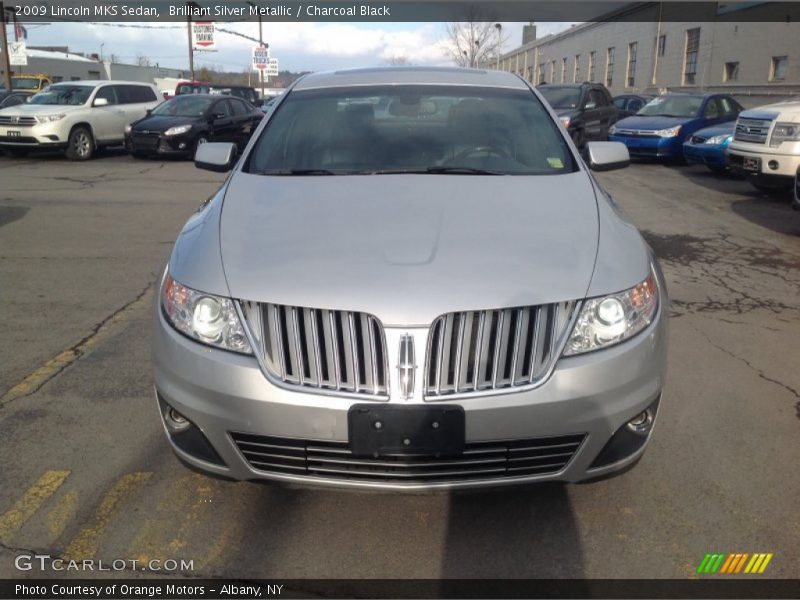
<point>62,513</point>
<point>84,545</point>
<point>30,502</point>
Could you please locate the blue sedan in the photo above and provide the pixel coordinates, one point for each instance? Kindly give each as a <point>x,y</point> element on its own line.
<point>661,127</point>
<point>707,146</point>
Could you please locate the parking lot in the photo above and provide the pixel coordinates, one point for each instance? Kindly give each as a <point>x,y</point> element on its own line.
<point>87,472</point>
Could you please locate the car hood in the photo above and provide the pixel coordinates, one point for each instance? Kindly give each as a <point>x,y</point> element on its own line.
<point>651,123</point>
<point>721,129</point>
<point>408,248</point>
<point>42,109</point>
<point>162,123</point>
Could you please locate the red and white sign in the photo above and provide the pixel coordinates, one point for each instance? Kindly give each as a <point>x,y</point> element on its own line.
<point>260,57</point>
<point>203,35</point>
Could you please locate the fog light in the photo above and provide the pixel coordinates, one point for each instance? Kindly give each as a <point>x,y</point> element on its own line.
<point>773,164</point>
<point>641,423</point>
<point>175,420</point>
<point>182,145</point>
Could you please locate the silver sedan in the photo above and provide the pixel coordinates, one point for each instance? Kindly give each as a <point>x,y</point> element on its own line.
<point>410,280</point>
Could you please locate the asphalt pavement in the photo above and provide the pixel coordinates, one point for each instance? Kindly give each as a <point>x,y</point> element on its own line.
<point>86,472</point>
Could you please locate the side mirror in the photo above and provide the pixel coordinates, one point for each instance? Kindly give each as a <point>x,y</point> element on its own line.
<point>100,102</point>
<point>796,203</point>
<point>607,156</point>
<point>215,156</point>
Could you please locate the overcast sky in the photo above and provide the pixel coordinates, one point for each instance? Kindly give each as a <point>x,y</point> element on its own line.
<point>298,46</point>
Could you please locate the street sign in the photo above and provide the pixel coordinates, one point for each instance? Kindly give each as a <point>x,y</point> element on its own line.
<point>17,54</point>
<point>272,67</point>
<point>203,35</point>
<point>260,57</point>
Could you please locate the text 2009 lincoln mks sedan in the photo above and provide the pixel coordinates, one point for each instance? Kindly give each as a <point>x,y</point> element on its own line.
<point>410,280</point>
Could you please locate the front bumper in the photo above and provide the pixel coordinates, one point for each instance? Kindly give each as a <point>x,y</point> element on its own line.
<point>649,146</point>
<point>771,161</point>
<point>43,135</point>
<point>179,145</point>
<point>712,156</point>
<point>587,398</point>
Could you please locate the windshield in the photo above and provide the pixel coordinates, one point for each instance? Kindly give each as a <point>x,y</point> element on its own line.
<point>410,129</point>
<point>25,83</point>
<point>183,106</point>
<point>561,96</point>
<point>672,106</point>
<point>73,95</point>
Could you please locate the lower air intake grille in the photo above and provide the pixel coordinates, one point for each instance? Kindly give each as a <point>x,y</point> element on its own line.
<point>480,460</point>
<point>325,349</point>
<point>480,351</point>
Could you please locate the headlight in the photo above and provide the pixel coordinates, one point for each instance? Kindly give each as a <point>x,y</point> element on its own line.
<point>611,319</point>
<point>719,139</point>
<point>177,130</point>
<point>564,121</point>
<point>127,129</point>
<point>784,132</point>
<point>668,133</point>
<point>204,317</point>
<point>51,118</point>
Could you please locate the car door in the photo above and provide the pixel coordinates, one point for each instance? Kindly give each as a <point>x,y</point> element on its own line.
<point>223,125</point>
<point>107,121</point>
<point>598,115</point>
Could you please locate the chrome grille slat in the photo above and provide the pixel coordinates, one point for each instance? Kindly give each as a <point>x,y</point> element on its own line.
<point>325,350</point>
<point>480,460</point>
<point>752,130</point>
<point>479,352</point>
<point>18,121</point>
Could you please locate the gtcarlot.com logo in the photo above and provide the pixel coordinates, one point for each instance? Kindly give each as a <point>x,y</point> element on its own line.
<point>735,563</point>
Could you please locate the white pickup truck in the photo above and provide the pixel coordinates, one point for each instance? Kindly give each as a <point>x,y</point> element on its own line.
<point>766,145</point>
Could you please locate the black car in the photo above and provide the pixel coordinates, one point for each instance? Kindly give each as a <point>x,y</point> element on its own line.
<point>182,123</point>
<point>13,98</point>
<point>240,91</point>
<point>585,109</point>
<point>629,104</point>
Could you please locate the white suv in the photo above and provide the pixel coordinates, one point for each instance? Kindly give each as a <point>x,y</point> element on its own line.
<point>79,116</point>
<point>766,145</point>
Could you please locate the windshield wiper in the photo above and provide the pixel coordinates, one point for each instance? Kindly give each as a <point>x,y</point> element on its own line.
<point>461,171</point>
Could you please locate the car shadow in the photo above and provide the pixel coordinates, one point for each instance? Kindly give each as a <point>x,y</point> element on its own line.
<point>519,533</point>
<point>771,211</point>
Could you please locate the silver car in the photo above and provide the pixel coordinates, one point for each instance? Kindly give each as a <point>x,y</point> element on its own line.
<point>410,280</point>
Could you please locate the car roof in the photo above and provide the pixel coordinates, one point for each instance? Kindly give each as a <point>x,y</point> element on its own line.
<point>103,82</point>
<point>411,76</point>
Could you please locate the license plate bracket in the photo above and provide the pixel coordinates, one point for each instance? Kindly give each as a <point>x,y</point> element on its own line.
<point>751,164</point>
<point>377,431</point>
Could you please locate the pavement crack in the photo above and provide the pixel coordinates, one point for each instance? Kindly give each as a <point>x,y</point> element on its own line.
<point>34,381</point>
<point>755,369</point>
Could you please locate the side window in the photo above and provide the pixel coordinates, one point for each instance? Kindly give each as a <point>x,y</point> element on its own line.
<point>635,105</point>
<point>221,109</point>
<point>729,106</point>
<point>239,107</point>
<point>712,109</point>
<point>138,94</point>
<point>12,101</point>
<point>620,103</point>
<point>598,98</point>
<point>107,92</point>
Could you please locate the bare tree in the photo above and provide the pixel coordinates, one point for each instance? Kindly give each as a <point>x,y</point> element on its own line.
<point>473,42</point>
<point>398,61</point>
<point>142,60</point>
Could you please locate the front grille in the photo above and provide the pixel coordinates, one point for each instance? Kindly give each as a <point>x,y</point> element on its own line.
<point>480,460</point>
<point>325,349</point>
<point>752,130</point>
<point>12,121</point>
<point>634,133</point>
<point>144,141</point>
<point>480,351</point>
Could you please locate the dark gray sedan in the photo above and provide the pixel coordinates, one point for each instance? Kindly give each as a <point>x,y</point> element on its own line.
<point>410,280</point>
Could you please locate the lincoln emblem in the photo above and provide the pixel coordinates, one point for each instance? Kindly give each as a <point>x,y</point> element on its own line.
<point>406,366</point>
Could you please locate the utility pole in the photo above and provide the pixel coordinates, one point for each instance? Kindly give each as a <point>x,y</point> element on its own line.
<point>189,30</point>
<point>261,43</point>
<point>6,61</point>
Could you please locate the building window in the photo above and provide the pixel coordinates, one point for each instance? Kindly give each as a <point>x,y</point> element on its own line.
<point>690,62</point>
<point>631,81</point>
<point>576,74</point>
<point>591,65</point>
<point>552,71</point>
<point>564,70</point>
<point>530,76</point>
<point>609,67</point>
<point>662,44</point>
<point>57,78</point>
<point>731,71</point>
<point>74,78</point>
<point>94,74</point>
<point>542,67</point>
<point>778,71</point>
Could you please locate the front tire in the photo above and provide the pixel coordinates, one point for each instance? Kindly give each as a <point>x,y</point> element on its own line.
<point>80,145</point>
